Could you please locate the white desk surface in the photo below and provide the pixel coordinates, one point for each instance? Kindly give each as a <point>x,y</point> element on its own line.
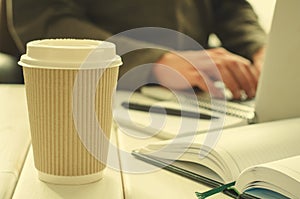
<point>14,136</point>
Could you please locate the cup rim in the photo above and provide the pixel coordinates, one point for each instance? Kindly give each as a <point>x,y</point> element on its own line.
<point>70,54</point>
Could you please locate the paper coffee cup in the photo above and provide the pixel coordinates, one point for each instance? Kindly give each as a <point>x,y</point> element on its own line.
<point>69,87</point>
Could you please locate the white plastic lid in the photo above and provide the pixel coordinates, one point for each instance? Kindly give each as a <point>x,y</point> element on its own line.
<point>70,54</point>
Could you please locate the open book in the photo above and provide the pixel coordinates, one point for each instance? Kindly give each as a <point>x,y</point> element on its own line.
<point>238,149</point>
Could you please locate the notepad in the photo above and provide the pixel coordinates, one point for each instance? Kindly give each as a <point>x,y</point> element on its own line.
<point>165,126</point>
<point>242,109</point>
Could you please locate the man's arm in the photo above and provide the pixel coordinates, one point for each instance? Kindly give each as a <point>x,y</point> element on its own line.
<point>237,26</point>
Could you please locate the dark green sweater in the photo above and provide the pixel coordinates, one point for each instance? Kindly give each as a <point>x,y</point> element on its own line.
<point>233,21</point>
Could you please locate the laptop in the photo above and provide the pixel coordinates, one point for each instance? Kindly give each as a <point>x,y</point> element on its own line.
<point>277,95</point>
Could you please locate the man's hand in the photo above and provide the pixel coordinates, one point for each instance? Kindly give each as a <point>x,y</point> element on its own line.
<point>180,70</point>
<point>258,58</point>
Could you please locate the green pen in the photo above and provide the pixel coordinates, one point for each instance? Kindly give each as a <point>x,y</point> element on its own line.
<point>215,190</point>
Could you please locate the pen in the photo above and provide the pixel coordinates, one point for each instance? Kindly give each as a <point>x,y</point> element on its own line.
<point>168,111</point>
<point>214,190</point>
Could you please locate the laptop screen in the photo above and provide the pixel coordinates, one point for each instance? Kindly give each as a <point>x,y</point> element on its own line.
<point>278,93</point>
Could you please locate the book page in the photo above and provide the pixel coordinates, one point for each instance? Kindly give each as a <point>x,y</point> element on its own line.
<point>281,176</point>
<point>261,143</point>
<point>237,148</point>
